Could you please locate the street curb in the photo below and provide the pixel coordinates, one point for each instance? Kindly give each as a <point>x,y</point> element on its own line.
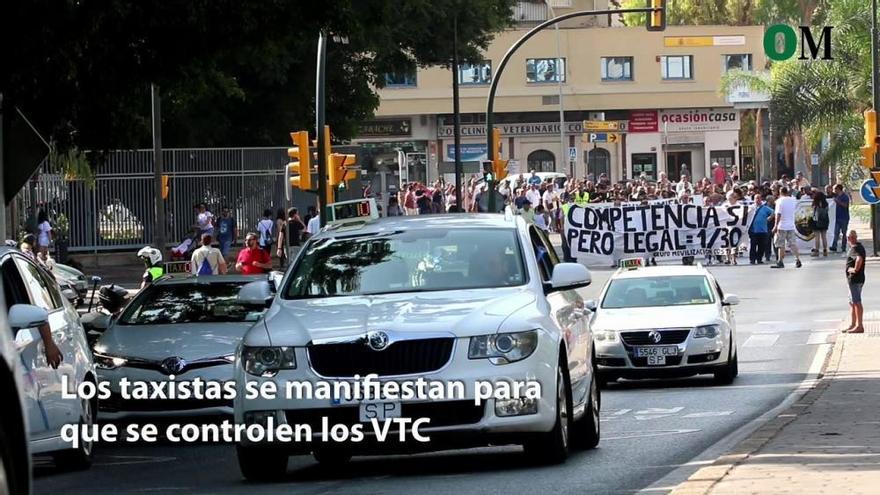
<point>702,482</point>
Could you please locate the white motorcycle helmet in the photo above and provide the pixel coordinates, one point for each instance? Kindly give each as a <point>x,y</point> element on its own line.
<point>150,254</point>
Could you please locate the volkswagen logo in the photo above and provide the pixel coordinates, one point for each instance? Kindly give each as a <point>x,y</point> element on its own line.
<point>377,340</point>
<point>655,336</point>
<point>173,365</point>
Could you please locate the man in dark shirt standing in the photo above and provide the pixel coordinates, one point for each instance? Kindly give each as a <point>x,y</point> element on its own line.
<point>841,214</point>
<point>855,277</point>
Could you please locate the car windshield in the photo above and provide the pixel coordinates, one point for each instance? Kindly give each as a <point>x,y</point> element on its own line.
<point>190,303</point>
<point>412,261</point>
<point>643,292</point>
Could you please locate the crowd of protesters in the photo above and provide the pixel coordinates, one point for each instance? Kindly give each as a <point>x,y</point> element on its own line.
<point>546,202</point>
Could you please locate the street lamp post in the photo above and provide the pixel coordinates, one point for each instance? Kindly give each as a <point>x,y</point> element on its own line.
<point>456,114</point>
<point>875,90</point>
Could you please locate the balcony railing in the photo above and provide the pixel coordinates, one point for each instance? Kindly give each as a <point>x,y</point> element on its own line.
<point>530,12</point>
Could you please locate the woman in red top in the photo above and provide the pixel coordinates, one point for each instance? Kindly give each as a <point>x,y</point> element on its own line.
<point>253,260</point>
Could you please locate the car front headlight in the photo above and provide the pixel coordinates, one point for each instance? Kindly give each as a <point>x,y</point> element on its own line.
<point>266,361</point>
<point>108,362</point>
<point>605,335</point>
<point>707,332</point>
<point>503,348</point>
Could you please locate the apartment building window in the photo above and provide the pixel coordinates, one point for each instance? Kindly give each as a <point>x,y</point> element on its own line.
<point>541,70</point>
<point>616,68</point>
<point>741,62</point>
<point>400,79</point>
<point>475,73</point>
<point>674,67</point>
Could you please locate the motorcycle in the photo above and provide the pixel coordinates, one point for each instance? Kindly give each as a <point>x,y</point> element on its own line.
<point>112,299</point>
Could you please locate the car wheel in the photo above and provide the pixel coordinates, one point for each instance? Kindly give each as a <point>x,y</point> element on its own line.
<point>331,457</point>
<point>261,464</point>
<point>552,447</point>
<point>727,374</point>
<point>587,430</point>
<point>81,457</point>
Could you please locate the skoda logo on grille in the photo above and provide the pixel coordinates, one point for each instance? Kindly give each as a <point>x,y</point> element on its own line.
<point>173,365</point>
<point>377,341</point>
<point>655,336</point>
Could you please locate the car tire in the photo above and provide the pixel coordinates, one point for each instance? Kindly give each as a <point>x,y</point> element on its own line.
<point>552,447</point>
<point>261,464</point>
<point>79,458</point>
<point>331,457</point>
<point>587,430</point>
<point>728,373</point>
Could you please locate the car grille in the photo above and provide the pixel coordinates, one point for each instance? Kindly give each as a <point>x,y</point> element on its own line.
<point>446,413</point>
<point>405,357</point>
<point>643,362</point>
<point>668,337</point>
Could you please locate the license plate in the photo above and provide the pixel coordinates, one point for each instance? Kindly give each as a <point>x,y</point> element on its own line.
<point>656,360</point>
<point>379,410</point>
<point>657,351</point>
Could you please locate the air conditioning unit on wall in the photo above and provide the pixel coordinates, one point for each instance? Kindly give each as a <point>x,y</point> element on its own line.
<point>596,116</point>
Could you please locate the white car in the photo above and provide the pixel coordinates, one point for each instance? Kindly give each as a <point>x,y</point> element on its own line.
<point>441,297</point>
<point>25,285</point>
<point>15,457</point>
<point>664,321</point>
<point>185,327</point>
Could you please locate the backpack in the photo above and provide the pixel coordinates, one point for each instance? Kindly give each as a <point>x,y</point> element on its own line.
<point>267,237</point>
<point>822,221</point>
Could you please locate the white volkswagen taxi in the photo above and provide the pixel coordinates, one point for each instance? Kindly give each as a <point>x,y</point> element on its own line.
<point>664,321</point>
<point>449,298</point>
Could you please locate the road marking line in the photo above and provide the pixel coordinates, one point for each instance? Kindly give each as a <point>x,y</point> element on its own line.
<point>762,340</point>
<point>708,414</point>
<point>818,338</point>
<point>770,322</point>
<point>647,434</point>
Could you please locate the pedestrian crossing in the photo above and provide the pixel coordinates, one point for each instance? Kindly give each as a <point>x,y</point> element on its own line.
<point>765,334</point>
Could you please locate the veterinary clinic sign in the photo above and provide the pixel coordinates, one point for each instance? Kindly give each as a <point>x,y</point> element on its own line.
<point>526,129</point>
<point>603,235</point>
<point>720,119</point>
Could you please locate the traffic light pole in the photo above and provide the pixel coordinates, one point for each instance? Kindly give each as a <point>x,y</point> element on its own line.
<point>490,102</point>
<point>875,209</point>
<point>158,170</point>
<point>319,128</point>
<point>456,115</point>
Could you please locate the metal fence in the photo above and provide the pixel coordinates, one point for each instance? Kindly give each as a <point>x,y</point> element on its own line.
<point>117,211</point>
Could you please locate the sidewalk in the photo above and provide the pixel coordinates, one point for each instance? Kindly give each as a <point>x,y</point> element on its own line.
<point>826,443</point>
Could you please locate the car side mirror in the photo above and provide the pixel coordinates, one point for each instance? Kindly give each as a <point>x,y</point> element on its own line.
<point>730,300</point>
<point>590,304</point>
<point>275,280</point>
<point>568,276</point>
<point>258,293</point>
<point>27,316</point>
<point>26,319</point>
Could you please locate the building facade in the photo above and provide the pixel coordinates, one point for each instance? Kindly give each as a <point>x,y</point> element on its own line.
<point>661,88</point>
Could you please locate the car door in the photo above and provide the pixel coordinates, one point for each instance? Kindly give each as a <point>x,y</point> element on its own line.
<point>31,356</point>
<point>566,310</point>
<point>44,293</point>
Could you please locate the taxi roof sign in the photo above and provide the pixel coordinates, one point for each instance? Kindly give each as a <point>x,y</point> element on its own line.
<point>631,263</point>
<point>354,211</point>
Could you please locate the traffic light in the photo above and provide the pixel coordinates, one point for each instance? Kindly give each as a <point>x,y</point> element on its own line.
<point>341,169</point>
<point>499,166</point>
<point>299,169</point>
<point>869,150</point>
<point>166,179</point>
<point>656,20</point>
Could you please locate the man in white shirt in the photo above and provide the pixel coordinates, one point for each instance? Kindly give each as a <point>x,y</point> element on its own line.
<point>684,186</point>
<point>534,195</point>
<point>207,259</point>
<point>314,225</point>
<point>785,228</point>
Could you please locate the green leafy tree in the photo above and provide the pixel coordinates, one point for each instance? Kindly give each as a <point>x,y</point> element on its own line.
<point>231,72</point>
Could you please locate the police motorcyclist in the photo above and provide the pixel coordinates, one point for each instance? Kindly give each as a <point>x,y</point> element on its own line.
<point>152,258</point>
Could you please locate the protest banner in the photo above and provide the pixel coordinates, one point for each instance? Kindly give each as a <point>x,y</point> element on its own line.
<point>603,235</point>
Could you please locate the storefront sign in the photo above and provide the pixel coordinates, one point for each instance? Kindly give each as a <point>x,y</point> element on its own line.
<point>722,119</point>
<point>692,41</point>
<point>643,121</point>
<point>601,236</point>
<point>384,128</point>
<point>603,126</point>
<point>527,129</point>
